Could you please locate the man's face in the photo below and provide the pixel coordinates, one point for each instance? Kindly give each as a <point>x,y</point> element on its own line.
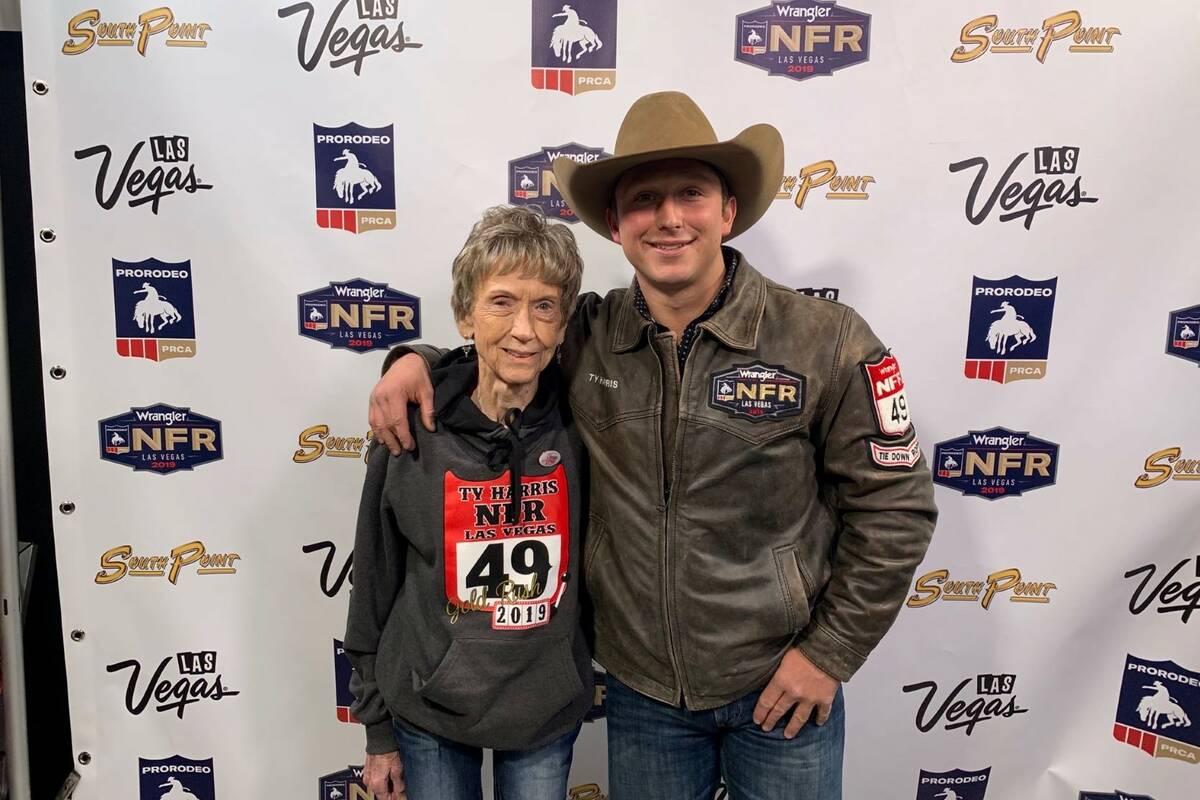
<point>670,221</point>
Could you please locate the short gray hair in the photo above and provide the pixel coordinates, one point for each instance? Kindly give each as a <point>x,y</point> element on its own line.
<point>516,239</point>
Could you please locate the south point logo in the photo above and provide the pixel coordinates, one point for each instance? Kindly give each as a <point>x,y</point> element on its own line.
<point>823,174</point>
<point>995,699</point>
<point>153,304</point>
<point>197,679</point>
<point>160,438</point>
<point>315,442</point>
<point>1167,464</point>
<point>378,31</point>
<point>531,179</point>
<point>175,778</point>
<point>355,177</point>
<point>574,46</point>
<point>937,585</point>
<point>359,315</point>
<point>1023,201</point>
<point>1155,709</point>
<point>1169,592</point>
<point>87,29</point>
<point>802,39</point>
<point>957,784</point>
<point>144,184</point>
<point>984,34</point>
<point>120,561</point>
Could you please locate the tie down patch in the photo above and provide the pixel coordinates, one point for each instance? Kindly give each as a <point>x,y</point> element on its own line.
<point>510,568</point>
<point>757,392</point>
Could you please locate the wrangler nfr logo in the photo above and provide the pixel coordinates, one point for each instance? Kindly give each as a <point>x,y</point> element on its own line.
<point>531,180</point>
<point>757,392</point>
<point>995,463</point>
<point>359,315</point>
<point>160,438</point>
<point>802,39</point>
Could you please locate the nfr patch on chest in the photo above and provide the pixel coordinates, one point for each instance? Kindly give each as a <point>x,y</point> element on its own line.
<point>509,567</point>
<point>757,391</point>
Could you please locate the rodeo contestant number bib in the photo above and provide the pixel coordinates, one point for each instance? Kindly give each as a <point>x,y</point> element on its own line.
<point>508,567</point>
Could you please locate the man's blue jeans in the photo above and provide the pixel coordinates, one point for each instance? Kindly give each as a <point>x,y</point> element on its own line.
<point>659,752</point>
<point>440,769</point>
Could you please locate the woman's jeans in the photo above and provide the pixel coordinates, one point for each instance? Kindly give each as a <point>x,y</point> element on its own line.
<point>439,769</point>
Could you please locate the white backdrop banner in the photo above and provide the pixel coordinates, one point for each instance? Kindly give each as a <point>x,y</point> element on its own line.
<point>242,205</point>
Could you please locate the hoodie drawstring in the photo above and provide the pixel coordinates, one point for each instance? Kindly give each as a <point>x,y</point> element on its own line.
<point>512,450</point>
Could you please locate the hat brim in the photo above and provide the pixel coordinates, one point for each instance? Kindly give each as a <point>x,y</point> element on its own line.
<point>751,162</point>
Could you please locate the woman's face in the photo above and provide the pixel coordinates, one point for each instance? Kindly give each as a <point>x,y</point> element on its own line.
<point>516,323</point>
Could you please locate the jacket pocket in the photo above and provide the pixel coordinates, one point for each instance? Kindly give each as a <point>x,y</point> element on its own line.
<point>503,690</point>
<point>793,587</point>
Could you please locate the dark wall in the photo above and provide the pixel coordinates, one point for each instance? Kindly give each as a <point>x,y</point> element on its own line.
<point>45,674</point>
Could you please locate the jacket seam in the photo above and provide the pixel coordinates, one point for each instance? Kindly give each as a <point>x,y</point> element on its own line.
<point>837,638</point>
<point>835,371</point>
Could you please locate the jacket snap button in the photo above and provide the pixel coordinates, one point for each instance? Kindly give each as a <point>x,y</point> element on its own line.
<point>566,576</point>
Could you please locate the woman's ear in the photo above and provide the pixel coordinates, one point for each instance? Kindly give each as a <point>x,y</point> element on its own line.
<point>466,328</point>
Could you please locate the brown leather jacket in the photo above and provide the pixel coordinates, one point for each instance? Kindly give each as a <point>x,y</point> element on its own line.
<point>741,508</point>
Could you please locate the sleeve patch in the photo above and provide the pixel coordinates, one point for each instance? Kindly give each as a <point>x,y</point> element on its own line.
<point>899,456</point>
<point>888,395</point>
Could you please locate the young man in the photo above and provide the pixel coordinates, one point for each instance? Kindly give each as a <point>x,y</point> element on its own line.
<point>758,497</point>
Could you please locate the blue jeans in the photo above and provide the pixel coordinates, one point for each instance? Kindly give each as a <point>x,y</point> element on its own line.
<point>440,769</point>
<point>659,752</point>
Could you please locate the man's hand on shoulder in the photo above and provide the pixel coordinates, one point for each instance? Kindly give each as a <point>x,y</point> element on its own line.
<point>798,684</point>
<point>407,381</point>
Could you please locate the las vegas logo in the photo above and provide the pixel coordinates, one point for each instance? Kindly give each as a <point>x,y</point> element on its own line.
<point>153,303</point>
<point>802,39</point>
<point>995,463</point>
<point>355,177</point>
<point>160,438</point>
<point>1008,335</point>
<point>574,45</point>
<point>1155,708</point>
<point>146,184</point>
<point>1023,201</point>
<point>531,179</point>
<point>373,35</point>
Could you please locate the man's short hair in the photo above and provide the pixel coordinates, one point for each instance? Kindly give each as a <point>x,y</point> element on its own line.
<point>512,239</point>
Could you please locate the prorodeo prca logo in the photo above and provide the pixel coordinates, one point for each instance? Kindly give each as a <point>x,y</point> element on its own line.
<point>802,39</point>
<point>1008,335</point>
<point>823,174</point>
<point>995,698</point>
<point>984,34</point>
<point>531,178</point>
<point>120,561</point>
<point>995,463</point>
<point>574,45</point>
<point>937,585</point>
<point>757,391</point>
<point>1154,711</point>
<point>171,155</point>
<point>1115,795</point>
<point>342,669</point>
<point>345,785</point>
<point>1023,201</point>
<point>1168,593</point>
<point>378,30</point>
<point>87,29</point>
<point>160,438</point>
<point>153,304</point>
<point>957,784</point>
<point>355,175</point>
<point>178,776</point>
<point>1183,334</point>
<point>359,315</point>
<point>194,678</point>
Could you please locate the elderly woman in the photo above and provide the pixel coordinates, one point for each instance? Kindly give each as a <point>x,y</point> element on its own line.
<point>464,627</point>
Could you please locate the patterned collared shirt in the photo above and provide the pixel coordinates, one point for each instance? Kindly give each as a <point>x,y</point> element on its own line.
<point>684,345</point>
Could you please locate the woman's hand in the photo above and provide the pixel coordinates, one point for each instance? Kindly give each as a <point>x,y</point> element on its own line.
<point>383,775</point>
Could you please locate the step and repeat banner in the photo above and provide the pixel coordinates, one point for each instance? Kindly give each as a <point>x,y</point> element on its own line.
<point>242,205</point>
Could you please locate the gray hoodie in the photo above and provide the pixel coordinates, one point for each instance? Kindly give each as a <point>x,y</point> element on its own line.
<point>462,623</point>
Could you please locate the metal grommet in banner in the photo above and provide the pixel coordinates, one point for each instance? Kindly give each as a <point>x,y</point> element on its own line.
<point>41,87</point>
<point>67,507</point>
<point>57,372</point>
<point>77,635</point>
<point>47,235</point>
<point>85,758</point>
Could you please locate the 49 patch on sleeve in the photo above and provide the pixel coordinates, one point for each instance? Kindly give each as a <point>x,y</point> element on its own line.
<point>890,399</point>
<point>757,391</point>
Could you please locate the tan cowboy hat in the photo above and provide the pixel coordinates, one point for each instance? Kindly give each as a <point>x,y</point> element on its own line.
<point>670,125</point>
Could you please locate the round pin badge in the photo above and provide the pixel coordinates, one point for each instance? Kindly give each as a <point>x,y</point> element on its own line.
<point>550,458</point>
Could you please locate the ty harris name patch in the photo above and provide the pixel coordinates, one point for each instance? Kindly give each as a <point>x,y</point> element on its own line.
<point>757,392</point>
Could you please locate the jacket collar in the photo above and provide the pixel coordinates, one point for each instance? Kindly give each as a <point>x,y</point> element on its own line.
<point>735,324</point>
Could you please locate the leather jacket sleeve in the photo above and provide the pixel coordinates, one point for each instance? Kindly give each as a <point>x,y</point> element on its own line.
<point>886,514</point>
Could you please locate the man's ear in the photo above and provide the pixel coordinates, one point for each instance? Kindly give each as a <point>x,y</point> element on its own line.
<point>611,219</point>
<point>728,215</point>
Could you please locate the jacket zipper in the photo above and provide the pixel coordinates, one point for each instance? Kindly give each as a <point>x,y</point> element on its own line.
<point>668,575</point>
